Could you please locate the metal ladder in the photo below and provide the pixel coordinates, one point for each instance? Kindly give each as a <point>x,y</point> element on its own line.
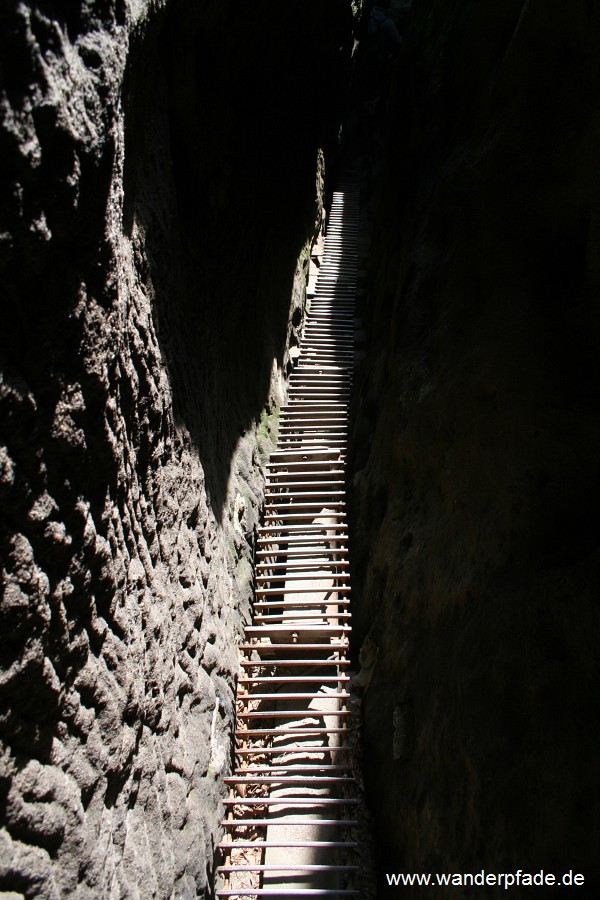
<point>290,828</point>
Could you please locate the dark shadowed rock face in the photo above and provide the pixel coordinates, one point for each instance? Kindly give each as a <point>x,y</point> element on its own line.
<point>476,448</point>
<point>161,177</point>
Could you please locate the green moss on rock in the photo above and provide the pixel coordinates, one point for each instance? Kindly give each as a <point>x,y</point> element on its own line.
<point>267,433</point>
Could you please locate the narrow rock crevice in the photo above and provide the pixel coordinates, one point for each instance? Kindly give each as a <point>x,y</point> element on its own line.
<point>165,165</point>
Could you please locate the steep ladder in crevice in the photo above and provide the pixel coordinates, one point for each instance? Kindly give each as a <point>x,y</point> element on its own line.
<point>290,828</point>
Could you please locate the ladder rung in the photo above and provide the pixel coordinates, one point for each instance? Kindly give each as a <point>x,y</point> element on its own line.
<point>316,800</point>
<point>299,530</point>
<point>287,892</point>
<point>302,731</point>
<point>290,779</point>
<point>326,606</point>
<point>314,405</point>
<point>292,661</point>
<point>327,304</point>
<point>302,443</point>
<point>319,349</point>
<point>291,610</point>
<point>309,422</point>
<point>333,454</point>
<point>303,469</point>
<point>303,547</point>
<point>298,392</point>
<point>341,695</point>
<point>331,648</point>
<point>310,557</point>
<point>319,663</point>
<point>310,463</point>
<point>288,589</point>
<point>291,751</point>
<point>292,713</point>
<point>294,768</point>
<point>323,428</point>
<point>289,868</point>
<point>334,482</point>
<point>302,679</point>
<point>261,631</point>
<point>323,462</point>
<point>313,431</point>
<point>317,441</point>
<point>310,565</point>
<point>318,505</point>
<point>287,597</point>
<point>311,434</point>
<point>307,376</point>
<point>304,576</point>
<point>232,845</point>
<point>336,415</point>
<point>325,367</point>
<point>315,615</point>
<point>237,823</point>
<point>294,569</point>
<point>319,338</point>
<point>304,375</point>
<point>317,575</point>
<point>303,539</point>
<point>314,477</point>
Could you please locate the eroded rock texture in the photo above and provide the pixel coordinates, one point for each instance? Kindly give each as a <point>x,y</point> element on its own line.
<point>161,178</point>
<point>476,447</point>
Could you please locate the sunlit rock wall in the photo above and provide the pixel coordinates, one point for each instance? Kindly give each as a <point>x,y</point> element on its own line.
<point>161,181</point>
<point>475,495</point>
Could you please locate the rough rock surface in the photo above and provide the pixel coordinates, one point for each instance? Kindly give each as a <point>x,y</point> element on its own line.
<point>158,193</point>
<point>476,449</point>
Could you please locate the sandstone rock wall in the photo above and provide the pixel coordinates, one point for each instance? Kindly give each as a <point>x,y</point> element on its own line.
<point>476,447</point>
<point>161,180</point>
